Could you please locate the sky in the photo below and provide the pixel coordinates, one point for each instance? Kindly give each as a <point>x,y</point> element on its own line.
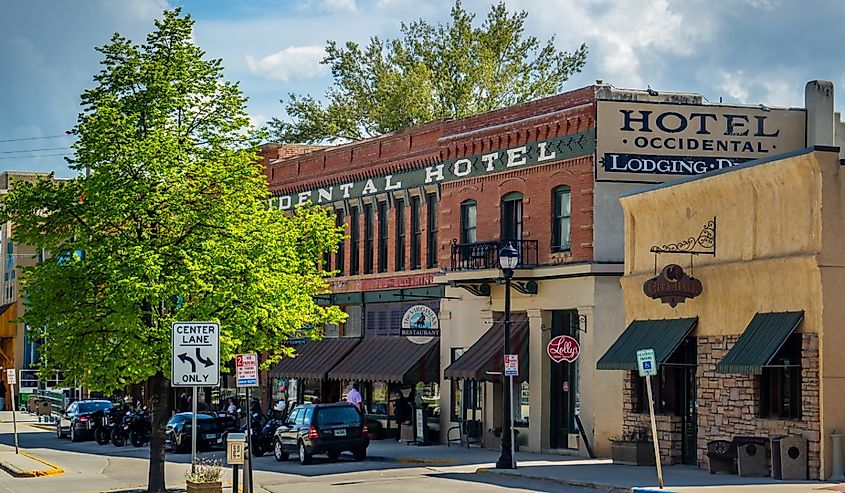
<point>736,51</point>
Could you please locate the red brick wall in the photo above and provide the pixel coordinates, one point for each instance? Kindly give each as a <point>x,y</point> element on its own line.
<point>536,185</point>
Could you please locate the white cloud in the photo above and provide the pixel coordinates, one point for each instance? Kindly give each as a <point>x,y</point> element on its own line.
<point>334,6</point>
<point>294,62</point>
<point>735,85</point>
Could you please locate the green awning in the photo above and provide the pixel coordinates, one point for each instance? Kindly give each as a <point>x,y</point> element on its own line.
<point>760,342</point>
<point>664,336</point>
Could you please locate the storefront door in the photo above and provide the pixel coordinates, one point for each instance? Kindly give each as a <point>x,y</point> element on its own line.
<point>689,426</point>
<point>563,385</point>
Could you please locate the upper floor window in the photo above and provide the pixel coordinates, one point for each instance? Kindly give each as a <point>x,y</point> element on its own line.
<point>382,237</point>
<point>416,233</point>
<point>512,216</point>
<point>368,239</point>
<point>400,235</point>
<point>561,219</point>
<point>468,221</point>
<point>339,220</point>
<point>431,230</point>
<point>354,240</point>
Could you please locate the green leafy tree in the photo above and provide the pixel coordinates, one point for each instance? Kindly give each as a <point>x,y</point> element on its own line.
<point>431,72</point>
<point>166,221</point>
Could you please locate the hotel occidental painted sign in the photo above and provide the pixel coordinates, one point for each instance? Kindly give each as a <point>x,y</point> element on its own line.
<point>672,286</point>
<point>655,142</point>
<point>533,154</point>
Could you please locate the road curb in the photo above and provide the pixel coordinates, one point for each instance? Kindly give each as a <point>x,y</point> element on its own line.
<point>414,460</point>
<point>33,473</point>
<point>43,426</point>
<point>567,482</point>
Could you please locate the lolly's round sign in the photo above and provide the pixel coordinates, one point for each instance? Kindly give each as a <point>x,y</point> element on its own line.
<point>563,348</point>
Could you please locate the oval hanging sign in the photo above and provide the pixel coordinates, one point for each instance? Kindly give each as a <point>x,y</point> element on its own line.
<point>420,324</point>
<point>563,348</point>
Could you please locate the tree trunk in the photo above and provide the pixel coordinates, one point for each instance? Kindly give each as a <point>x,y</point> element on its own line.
<point>161,414</point>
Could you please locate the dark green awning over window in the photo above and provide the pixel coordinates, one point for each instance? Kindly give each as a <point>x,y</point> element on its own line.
<point>760,342</point>
<point>664,336</point>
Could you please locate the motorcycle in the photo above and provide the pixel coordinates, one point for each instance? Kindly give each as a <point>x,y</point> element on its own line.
<point>120,430</point>
<point>263,431</point>
<point>140,427</point>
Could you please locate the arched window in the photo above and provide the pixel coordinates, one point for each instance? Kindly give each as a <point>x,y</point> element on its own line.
<point>469,221</point>
<point>561,219</point>
<point>512,216</point>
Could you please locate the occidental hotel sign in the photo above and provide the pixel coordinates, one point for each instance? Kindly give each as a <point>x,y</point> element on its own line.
<point>656,142</point>
<point>533,154</point>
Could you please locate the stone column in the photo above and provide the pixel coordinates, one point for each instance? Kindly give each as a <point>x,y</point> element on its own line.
<point>818,98</point>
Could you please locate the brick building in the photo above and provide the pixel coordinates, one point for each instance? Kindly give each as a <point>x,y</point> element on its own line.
<point>427,211</point>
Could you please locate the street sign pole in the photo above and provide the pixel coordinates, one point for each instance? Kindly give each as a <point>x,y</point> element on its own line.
<point>654,432</point>
<point>510,384</point>
<point>248,454</point>
<point>246,373</point>
<point>647,365</point>
<point>12,378</point>
<point>194,430</point>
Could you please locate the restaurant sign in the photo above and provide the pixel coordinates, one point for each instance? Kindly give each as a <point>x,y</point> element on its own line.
<point>654,142</point>
<point>420,324</point>
<point>672,286</point>
<point>510,159</point>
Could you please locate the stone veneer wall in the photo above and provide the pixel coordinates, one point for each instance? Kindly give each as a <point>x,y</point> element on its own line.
<point>728,403</point>
<point>668,427</point>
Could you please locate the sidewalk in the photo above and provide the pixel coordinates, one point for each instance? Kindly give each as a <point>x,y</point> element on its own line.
<point>25,465</point>
<point>599,474</point>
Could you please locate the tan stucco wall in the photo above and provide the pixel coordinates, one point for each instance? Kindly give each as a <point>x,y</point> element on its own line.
<point>780,245</point>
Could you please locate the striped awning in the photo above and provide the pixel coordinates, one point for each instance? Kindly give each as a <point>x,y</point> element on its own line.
<point>390,359</point>
<point>314,359</point>
<point>664,336</point>
<point>484,360</point>
<point>760,342</point>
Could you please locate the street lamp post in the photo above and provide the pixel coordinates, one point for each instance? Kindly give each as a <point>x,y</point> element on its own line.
<point>508,260</point>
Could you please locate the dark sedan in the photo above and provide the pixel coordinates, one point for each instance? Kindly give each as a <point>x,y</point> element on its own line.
<point>177,435</point>
<point>76,422</point>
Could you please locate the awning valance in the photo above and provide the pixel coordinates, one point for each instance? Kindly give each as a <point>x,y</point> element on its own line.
<point>314,359</point>
<point>390,359</point>
<point>760,342</point>
<point>484,360</point>
<point>664,336</point>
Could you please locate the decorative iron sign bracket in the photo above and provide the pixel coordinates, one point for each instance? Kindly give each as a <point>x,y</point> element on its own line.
<point>703,244</point>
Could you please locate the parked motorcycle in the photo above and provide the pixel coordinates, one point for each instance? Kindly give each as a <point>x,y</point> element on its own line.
<point>120,430</point>
<point>140,427</point>
<point>263,431</point>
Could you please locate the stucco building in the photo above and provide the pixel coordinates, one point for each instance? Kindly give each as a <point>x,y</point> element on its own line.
<point>752,351</point>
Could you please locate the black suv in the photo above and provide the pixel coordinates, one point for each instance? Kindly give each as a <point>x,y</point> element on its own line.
<point>322,429</point>
<point>77,421</point>
<point>177,434</point>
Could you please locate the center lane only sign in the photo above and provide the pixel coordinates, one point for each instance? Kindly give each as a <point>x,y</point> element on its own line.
<point>195,360</point>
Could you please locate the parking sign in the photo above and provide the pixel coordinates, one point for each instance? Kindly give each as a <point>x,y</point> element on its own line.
<point>646,362</point>
<point>511,365</point>
<point>246,370</point>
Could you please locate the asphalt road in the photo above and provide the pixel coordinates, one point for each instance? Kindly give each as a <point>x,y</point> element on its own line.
<point>93,468</point>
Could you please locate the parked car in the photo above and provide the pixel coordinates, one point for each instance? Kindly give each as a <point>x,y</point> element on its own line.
<point>329,429</point>
<point>177,434</point>
<point>77,422</point>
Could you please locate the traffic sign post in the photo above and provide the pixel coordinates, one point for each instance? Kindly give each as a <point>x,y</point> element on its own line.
<point>12,378</point>
<point>246,373</point>
<point>647,365</point>
<point>195,362</point>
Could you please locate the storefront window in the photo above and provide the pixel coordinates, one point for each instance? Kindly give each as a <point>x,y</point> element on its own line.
<point>377,400</point>
<point>429,394</point>
<point>780,383</point>
<point>456,389</point>
<point>671,387</point>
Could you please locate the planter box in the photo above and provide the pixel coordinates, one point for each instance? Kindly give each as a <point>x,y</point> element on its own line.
<point>216,487</point>
<point>632,453</point>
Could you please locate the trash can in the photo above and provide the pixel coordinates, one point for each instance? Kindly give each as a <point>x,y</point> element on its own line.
<point>789,458</point>
<point>32,404</point>
<point>44,407</point>
<point>752,456</point>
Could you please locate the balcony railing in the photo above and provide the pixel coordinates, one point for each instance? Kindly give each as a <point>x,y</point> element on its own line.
<point>485,254</point>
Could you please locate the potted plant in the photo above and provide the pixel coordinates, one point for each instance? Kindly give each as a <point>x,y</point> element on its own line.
<point>634,448</point>
<point>205,477</point>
